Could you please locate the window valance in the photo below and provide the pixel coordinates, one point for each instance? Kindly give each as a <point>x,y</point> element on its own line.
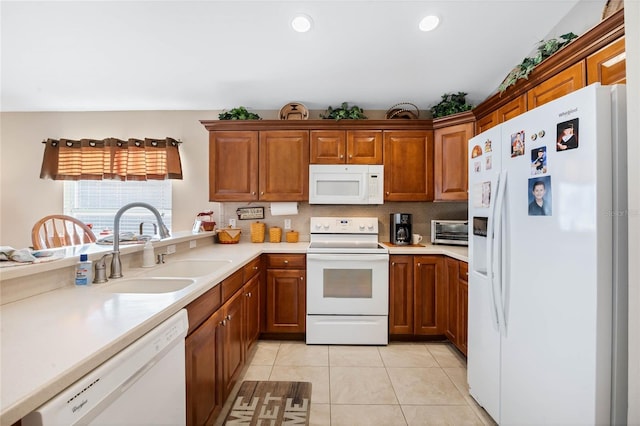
<point>91,159</point>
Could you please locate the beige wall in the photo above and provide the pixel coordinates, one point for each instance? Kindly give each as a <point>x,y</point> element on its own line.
<point>25,198</point>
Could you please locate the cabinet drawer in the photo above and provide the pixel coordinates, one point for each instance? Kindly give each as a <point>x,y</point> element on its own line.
<point>286,261</point>
<point>463,271</point>
<point>231,285</point>
<point>203,307</point>
<point>250,269</point>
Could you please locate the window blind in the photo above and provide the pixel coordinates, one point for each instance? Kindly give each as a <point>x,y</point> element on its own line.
<point>97,202</point>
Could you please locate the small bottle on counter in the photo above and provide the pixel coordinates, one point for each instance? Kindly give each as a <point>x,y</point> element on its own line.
<point>148,259</point>
<point>83,271</point>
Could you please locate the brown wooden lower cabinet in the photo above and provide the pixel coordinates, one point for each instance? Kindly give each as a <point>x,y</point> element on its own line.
<point>204,372</point>
<point>428,297</point>
<point>463,306</point>
<point>457,303</point>
<point>453,285</point>
<point>233,345</point>
<point>286,296</point>
<point>429,292</point>
<point>216,347</point>
<point>416,299</point>
<point>401,294</point>
<point>252,312</point>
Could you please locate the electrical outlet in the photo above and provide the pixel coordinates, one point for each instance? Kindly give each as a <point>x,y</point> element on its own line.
<point>287,224</point>
<point>232,223</point>
<point>171,249</point>
<point>192,244</point>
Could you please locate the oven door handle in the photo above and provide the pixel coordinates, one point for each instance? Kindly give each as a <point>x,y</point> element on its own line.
<point>347,257</point>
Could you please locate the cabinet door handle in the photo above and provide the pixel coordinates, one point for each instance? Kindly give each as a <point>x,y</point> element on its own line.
<point>255,268</point>
<point>393,263</point>
<point>262,193</point>
<point>418,264</point>
<point>253,193</point>
<point>387,192</point>
<point>223,323</point>
<point>249,294</point>
<point>341,156</point>
<point>350,156</point>
<point>301,278</point>
<point>286,262</point>
<point>228,317</point>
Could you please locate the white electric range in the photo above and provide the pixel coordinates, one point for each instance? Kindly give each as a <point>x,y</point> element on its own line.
<point>347,282</point>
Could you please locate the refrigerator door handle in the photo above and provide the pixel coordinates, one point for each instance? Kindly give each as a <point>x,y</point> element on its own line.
<point>498,252</point>
<point>490,259</point>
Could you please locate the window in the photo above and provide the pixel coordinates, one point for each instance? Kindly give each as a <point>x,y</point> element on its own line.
<point>96,202</point>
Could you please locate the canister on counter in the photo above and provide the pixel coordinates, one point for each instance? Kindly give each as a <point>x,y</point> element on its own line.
<point>292,236</point>
<point>257,232</point>
<point>275,234</point>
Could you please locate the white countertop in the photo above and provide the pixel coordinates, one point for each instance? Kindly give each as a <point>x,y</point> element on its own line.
<point>457,252</point>
<point>51,340</point>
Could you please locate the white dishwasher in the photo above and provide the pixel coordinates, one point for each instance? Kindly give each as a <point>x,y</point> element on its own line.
<point>144,384</point>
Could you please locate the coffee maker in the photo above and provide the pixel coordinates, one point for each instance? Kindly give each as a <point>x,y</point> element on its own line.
<point>400,226</point>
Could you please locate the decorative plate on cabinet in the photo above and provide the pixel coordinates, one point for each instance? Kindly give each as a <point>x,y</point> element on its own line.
<point>294,111</point>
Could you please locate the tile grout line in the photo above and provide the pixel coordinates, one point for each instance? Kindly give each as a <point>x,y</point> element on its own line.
<point>395,392</point>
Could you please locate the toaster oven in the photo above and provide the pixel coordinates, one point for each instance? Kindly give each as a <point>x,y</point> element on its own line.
<point>453,232</point>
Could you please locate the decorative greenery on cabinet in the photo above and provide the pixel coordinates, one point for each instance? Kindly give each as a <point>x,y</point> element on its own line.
<point>238,113</point>
<point>344,113</point>
<point>451,103</point>
<point>545,49</point>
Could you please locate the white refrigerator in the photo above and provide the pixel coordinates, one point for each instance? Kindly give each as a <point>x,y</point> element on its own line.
<point>548,263</point>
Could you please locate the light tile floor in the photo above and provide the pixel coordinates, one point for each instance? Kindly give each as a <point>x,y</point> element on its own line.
<point>398,384</point>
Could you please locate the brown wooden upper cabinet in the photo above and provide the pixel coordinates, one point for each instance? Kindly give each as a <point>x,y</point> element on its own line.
<point>451,159</point>
<point>608,65</point>
<point>253,165</point>
<point>512,109</point>
<point>346,147</point>
<point>284,165</point>
<point>563,83</point>
<point>233,166</point>
<point>596,56</point>
<point>408,165</point>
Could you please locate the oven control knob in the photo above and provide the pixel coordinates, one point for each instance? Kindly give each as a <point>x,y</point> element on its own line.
<point>361,226</point>
<point>370,227</point>
<point>325,225</point>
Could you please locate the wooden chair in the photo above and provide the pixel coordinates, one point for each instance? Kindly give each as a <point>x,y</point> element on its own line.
<point>59,230</point>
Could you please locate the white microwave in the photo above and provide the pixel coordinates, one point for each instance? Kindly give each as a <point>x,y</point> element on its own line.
<point>346,184</point>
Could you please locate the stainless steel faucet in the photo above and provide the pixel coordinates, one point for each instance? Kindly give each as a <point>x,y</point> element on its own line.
<point>100,275</point>
<point>116,266</point>
<point>155,227</point>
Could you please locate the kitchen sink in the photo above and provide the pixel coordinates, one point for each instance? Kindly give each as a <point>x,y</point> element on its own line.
<point>147,285</point>
<point>190,268</point>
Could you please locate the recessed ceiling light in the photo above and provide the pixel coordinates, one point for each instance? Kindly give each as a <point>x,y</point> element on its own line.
<point>301,23</point>
<point>429,23</point>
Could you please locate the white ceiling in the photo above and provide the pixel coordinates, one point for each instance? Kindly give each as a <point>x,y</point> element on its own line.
<point>212,55</point>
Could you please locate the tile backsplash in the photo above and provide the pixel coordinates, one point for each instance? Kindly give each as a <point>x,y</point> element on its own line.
<point>423,213</point>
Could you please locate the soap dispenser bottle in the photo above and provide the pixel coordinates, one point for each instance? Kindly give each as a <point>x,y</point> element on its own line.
<point>83,271</point>
<point>148,260</point>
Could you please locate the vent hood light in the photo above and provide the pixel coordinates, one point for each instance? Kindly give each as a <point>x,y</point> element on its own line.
<point>429,23</point>
<point>301,23</point>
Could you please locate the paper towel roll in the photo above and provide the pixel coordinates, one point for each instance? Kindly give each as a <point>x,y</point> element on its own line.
<point>284,209</point>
